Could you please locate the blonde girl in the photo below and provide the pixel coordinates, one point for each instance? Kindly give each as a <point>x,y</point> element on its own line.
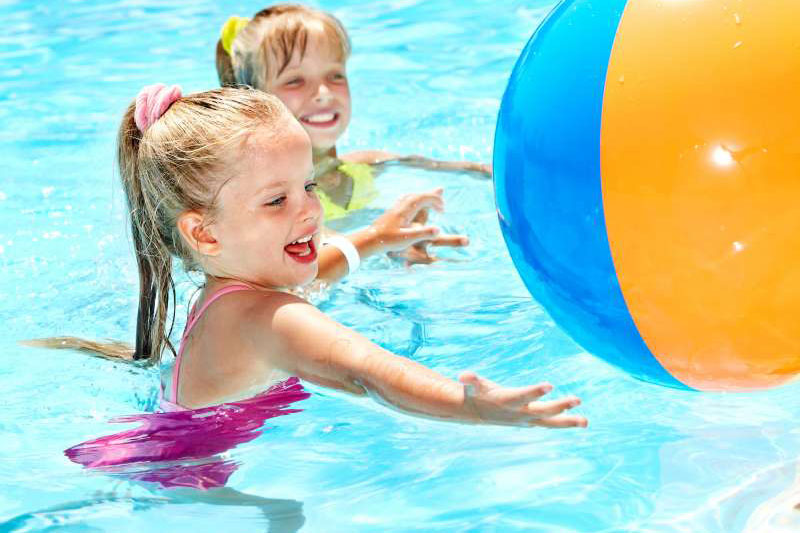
<point>224,181</point>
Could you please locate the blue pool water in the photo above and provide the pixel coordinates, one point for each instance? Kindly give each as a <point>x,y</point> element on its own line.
<point>426,77</point>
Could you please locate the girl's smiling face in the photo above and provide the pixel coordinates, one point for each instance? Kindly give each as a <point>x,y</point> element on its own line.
<point>314,87</point>
<point>268,216</point>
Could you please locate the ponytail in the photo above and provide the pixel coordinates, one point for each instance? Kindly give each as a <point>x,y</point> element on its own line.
<point>227,78</point>
<point>153,257</point>
<point>156,286</point>
<point>232,27</point>
<point>114,350</point>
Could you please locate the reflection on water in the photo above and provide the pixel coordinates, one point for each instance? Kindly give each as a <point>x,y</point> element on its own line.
<point>273,515</point>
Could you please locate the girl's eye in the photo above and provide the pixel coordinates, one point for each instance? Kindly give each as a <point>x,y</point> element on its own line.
<point>338,77</point>
<point>294,82</point>
<point>311,186</point>
<point>276,202</point>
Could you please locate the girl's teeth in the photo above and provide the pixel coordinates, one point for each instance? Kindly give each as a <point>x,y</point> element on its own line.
<point>321,117</point>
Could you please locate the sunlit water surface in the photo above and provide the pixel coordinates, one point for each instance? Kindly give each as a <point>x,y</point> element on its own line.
<point>427,78</point>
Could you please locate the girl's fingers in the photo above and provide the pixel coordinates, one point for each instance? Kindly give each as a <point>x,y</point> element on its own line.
<point>415,234</point>
<point>421,217</point>
<point>470,382</point>
<point>561,421</point>
<point>552,408</point>
<point>450,240</point>
<point>475,383</point>
<point>411,204</point>
<point>408,201</point>
<point>522,396</point>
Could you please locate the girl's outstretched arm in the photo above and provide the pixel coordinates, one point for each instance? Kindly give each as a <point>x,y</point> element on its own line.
<point>381,157</point>
<point>319,349</point>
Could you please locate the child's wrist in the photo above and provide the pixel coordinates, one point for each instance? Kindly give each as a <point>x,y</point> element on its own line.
<point>367,241</point>
<point>347,249</point>
<point>470,410</point>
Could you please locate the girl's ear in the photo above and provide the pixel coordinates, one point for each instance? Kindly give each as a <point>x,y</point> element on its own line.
<point>191,225</point>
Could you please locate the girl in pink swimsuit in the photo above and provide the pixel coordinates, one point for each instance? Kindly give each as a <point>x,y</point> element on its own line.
<point>223,180</point>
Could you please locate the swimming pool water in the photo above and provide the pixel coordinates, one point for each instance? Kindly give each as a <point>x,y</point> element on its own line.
<point>427,78</point>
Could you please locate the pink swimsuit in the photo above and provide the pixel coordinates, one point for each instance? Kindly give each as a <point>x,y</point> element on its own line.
<point>171,404</point>
<point>180,447</point>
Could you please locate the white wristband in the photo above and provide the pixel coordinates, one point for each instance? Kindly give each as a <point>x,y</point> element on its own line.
<point>349,251</point>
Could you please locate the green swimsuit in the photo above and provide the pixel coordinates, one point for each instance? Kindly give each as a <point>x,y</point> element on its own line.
<point>363,191</point>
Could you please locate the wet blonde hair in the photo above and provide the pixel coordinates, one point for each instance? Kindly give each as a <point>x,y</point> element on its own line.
<point>175,165</point>
<point>264,47</point>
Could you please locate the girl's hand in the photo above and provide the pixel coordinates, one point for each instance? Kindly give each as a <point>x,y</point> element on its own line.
<point>491,403</point>
<point>418,253</point>
<point>405,224</point>
<point>481,168</point>
<point>403,227</point>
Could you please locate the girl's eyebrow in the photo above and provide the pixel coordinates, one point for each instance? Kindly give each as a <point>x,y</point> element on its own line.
<point>293,68</point>
<point>288,70</point>
<point>271,187</point>
<point>278,185</point>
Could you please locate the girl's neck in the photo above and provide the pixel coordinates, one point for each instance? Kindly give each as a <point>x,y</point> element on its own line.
<point>325,160</point>
<point>215,283</point>
<point>320,154</point>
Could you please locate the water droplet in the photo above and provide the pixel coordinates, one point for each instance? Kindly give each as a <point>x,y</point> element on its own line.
<point>737,246</point>
<point>622,79</point>
<point>737,19</point>
<point>737,44</point>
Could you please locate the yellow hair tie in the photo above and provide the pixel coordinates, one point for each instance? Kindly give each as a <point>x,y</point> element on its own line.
<point>230,30</point>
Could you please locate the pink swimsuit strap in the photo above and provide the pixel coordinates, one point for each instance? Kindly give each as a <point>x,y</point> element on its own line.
<point>194,316</point>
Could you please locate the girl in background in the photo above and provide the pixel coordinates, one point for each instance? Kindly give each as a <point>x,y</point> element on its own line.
<point>299,54</point>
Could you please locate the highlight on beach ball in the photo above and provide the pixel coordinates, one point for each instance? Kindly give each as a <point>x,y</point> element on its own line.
<point>647,177</point>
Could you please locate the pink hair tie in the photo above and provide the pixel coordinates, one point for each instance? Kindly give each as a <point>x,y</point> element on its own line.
<point>152,101</point>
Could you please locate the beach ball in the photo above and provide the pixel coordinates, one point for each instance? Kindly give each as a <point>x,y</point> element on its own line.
<point>647,180</point>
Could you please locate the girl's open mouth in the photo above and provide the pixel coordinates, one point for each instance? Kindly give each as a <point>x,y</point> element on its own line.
<point>321,120</point>
<point>302,250</point>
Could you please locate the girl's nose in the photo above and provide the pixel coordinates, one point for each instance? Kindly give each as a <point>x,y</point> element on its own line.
<point>323,94</point>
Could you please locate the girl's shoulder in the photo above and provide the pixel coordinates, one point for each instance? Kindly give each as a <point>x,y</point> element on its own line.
<point>275,309</point>
<point>246,304</point>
